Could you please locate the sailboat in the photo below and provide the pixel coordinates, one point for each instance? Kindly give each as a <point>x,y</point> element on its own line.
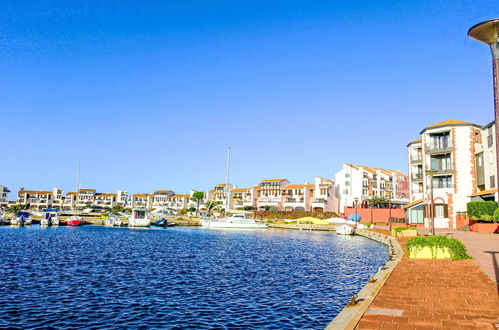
<point>235,220</point>
<point>76,220</point>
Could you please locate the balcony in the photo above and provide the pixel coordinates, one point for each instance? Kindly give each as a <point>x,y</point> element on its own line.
<point>418,159</point>
<point>320,200</point>
<point>417,176</point>
<point>443,171</point>
<point>441,148</point>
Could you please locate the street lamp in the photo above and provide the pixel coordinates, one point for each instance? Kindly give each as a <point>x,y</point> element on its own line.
<point>431,173</point>
<point>488,33</point>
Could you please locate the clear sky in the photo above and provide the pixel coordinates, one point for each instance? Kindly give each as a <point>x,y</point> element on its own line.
<point>148,94</point>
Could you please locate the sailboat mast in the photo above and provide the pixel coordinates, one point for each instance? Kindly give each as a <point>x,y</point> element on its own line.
<point>77,187</point>
<point>227,182</point>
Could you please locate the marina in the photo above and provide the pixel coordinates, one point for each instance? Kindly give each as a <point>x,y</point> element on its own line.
<point>116,277</point>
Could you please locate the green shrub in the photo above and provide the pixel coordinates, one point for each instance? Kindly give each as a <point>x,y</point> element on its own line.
<point>457,249</point>
<point>496,215</point>
<point>477,210</point>
<point>399,229</point>
<point>486,217</point>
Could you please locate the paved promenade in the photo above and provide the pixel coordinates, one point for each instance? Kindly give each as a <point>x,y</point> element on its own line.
<point>435,294</point>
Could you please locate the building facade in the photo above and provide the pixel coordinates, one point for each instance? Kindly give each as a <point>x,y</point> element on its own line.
<point>448,162</point>
<point>358,184</point>
<point>4,195</point>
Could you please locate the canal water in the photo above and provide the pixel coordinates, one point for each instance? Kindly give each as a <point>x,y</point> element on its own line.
<point>95,277</point>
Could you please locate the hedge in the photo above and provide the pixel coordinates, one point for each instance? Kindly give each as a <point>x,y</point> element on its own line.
<point>482,210</point>
<point>456,248</point>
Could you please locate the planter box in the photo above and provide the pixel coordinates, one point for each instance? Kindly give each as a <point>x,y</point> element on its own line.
<point>430,253</point>
<point>405,233</point>
<point>492,227</point>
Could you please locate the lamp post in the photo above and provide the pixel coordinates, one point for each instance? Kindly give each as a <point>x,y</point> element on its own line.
<point>488,33</point>
<point>431,173</point>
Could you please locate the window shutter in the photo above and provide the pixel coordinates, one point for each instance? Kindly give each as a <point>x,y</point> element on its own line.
<point>446,210</point>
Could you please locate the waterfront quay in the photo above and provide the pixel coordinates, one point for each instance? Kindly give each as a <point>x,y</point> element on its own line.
<point>437,294</point>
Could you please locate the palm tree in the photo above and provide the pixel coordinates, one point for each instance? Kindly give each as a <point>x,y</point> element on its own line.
<point>197,197</point>
<point>210,205</point>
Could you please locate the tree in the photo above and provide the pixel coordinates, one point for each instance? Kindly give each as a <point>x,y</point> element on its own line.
<point>117,208</point>
<point>378,202</point>
<point>197,197</point>
<point>210,205</point>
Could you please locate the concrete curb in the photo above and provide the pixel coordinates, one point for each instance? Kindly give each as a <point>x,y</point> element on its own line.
<point>349,317</point>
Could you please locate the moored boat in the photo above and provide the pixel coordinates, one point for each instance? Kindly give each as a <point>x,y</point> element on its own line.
<point>22,218</point>
<point>163,223</point>
<point>75,221</point>
<point>112,221</point>
<point>139,218</point>
<point>233,221</point>
<point>344,230</point>
<point>50,217</point>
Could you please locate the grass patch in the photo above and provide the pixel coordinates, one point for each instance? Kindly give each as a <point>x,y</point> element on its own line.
<point>399,229</point>
<point>457,249</point>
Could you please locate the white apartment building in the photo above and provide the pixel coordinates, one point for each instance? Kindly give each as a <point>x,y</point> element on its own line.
<point>269,194</point>
<point>35,199</point>
<point>219,194</point>
<point>361,183</point>
<point>4,195</point>
<point>178,202</point>
<point>122,198</point>
<point>141,201</point>
<point>449,151</point>
<point>161,198</point>
<point>243,197</point>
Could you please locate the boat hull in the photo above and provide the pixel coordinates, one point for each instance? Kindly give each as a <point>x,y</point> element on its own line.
<point>344,230</point>
<point>222,224</point>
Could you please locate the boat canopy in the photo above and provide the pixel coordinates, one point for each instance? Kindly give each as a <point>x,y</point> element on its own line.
<point>50,210</point>
<point>23,214</point>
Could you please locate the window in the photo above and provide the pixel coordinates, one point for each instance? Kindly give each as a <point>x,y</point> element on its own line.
<point>442,182</point>
<point>441,211</point>
<point>492,181</point>
<point>440,140</point>
<point>439,163</point>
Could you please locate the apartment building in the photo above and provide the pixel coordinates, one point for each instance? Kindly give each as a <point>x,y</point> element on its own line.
<point>4,195</point>
<point>243,197</point>
<point>361,183</point>
<point>35,199</point>
<point>269,194</point>
<point>178,202</point>
<point>161,198</point>
<point>222,194</point>
<point>141,201</point>
<point>297,197</point>
<point>445,157</point>
<point>324,198</point>
<point>486,165</point>
<point>85,197</point>
<point>122,198</point>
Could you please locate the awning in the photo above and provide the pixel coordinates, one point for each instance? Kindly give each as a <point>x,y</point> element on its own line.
<point>484,192</point>
<point>413,203</point>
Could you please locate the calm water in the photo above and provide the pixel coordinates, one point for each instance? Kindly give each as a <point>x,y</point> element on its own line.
<point>164,278</point>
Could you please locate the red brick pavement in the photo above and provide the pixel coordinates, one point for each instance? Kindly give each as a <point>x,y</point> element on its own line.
<point>435,294</point>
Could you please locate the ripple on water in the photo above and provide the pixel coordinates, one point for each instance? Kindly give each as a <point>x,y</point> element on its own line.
<point>94,277</point>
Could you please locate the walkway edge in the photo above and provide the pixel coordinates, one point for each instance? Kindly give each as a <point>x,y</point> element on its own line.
<point>350,316</point>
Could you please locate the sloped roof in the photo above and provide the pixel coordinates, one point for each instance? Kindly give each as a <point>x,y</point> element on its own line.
<point>484,192</point>
<point>413,203</point>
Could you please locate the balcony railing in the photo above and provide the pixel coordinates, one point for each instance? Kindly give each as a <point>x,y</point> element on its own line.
<point>440,148</point>
<point>417,159</point>
<point>417,176</point>
<point>320,200</point>
<point>443,171</point>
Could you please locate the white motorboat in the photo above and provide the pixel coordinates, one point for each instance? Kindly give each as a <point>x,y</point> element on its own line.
<point>50,217</point>
<point>112,221</point>
<point>344,230</point>
<point>233,221</point>
<point>22,218</point>
<point>139,218</point>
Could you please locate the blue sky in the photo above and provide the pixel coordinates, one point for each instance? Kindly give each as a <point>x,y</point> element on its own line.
<point>148,94</point>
